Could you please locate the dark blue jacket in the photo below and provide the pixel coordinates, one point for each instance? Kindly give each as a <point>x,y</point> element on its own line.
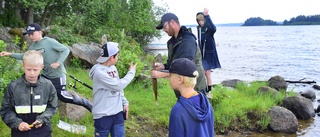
<point>207,42</point>
<point>189,119</point>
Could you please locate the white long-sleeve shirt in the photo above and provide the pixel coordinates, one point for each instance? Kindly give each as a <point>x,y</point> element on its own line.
<point>108,94</point>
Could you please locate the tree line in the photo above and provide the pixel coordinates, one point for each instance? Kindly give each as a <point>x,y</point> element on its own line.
<point>87,18</point>
<point>299,20</point>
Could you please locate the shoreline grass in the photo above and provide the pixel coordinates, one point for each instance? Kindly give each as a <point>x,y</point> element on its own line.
<point>234,109</point>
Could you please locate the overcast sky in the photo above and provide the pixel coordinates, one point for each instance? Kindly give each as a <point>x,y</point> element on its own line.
<point>237,11</point>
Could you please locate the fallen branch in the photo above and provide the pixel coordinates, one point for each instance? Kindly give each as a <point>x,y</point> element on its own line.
<point>304,82</point>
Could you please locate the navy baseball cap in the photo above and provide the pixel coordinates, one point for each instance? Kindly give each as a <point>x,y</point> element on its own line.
<point>166,17</point>
<point>183,67</point>
<point>32,28</point>
<point>109,49</point>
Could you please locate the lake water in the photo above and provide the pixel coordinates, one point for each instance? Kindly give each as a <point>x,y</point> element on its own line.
<point>258,53</point>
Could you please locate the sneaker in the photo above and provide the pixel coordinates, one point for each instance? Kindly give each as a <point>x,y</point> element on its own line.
<point>209,94</point>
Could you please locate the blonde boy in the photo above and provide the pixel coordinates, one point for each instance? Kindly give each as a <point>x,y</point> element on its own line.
<point>192,115</point>
<point>30,101</point>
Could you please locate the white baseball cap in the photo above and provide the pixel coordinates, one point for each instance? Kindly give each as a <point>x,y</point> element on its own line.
<point>109,49</point>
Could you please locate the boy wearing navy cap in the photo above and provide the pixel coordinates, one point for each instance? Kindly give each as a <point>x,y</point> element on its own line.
<point>109,101</point>
<point>192,115</point>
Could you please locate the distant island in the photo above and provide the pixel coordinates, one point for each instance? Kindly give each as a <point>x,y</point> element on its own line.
<point>299,20</point>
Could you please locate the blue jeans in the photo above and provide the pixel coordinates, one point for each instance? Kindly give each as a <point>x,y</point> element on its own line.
<point>109,124</point>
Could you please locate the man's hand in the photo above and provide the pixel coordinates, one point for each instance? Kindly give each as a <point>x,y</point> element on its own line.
<point>158,66</point>
<point>158,74</point>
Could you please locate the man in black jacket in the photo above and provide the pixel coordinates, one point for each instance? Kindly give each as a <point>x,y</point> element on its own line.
<point>182,44</point>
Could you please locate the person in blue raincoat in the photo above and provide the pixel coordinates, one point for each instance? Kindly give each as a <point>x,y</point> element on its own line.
<point>207,44</point>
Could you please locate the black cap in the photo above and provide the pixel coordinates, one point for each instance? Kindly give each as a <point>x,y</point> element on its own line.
<point>166,17</point>
<point>183,67</point>
<point>32,28</point>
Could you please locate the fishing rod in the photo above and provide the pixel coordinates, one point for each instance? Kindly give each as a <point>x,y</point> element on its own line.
<point>77,80</point>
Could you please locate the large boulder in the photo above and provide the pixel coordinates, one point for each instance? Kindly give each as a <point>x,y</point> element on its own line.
<point>299,106</point>
<point>282,120</point>
<point>88,52</point>
<point>278,83</point>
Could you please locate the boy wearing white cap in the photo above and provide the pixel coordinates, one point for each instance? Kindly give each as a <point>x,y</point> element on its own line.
<point>109,101</point>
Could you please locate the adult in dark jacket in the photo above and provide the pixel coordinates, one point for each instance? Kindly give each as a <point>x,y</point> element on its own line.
<point>182,44</point>
<point>207,44</point>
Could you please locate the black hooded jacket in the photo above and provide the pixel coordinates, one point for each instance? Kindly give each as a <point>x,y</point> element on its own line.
<point>185,46</point>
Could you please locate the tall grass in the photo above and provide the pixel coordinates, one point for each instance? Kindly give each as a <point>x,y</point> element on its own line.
<point>234,109</point>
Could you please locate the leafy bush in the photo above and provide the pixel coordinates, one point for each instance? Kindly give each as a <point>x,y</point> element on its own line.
<point>9,69</point>
<point>65,35</point>
<point>129,53</point>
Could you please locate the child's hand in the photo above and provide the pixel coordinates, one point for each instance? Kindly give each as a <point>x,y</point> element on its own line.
<point>5,53</point>
<point>23,126</point>
<point>36,124</point>
<point>133,67</point>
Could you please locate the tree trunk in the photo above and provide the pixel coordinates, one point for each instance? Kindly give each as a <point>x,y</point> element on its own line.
<point>17,13</point>
<point>30,18</point>
<point>1,5</point>
<point>44,15</point>
<point>49,19</point>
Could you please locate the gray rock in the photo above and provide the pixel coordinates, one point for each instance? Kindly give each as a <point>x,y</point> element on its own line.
<point>71,111</point>
<point>309,94</point>
<point>231,83</point>
<point>316,87</point>
<point>278,83</point>
<point>301,107</point>
<point>88,52</point>
<point>282,120</point>
<point>267,90</point>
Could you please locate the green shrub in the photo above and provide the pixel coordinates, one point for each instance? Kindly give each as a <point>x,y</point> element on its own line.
<point>10,69</point>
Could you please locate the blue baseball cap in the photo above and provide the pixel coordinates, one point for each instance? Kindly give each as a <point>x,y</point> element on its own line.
<point>32,28</point>
<point>183,67</point>
<point>166,17</point>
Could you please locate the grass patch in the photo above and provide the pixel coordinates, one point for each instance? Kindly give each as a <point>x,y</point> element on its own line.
<point>242,108</point>
<point>234,109</point>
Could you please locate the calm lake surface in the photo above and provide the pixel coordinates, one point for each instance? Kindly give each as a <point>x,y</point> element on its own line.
<point>259,53</point>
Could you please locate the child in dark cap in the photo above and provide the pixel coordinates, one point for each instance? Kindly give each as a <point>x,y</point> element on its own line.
<point>192,115</point>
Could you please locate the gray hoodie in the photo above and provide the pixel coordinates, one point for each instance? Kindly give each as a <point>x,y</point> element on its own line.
<point>108,95</point>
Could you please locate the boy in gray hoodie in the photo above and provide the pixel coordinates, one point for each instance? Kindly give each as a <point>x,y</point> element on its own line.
<point>108,96</point>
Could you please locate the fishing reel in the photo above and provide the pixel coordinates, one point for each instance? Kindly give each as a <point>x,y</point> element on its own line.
<point>73,85</point>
